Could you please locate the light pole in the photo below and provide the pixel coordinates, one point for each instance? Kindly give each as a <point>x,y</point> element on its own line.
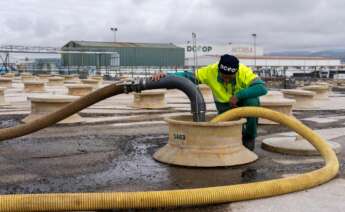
<point>114,29</point>
<point>230,47</point>
<point>254,42</point>
<point>188,47</point>
<point>195,57</point>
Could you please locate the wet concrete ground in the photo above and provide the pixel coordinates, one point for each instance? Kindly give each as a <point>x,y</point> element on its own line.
<point>101,157</point>
<point>90,159</point>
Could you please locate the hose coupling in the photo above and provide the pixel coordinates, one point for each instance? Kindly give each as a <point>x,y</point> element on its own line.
<point>132,85</point>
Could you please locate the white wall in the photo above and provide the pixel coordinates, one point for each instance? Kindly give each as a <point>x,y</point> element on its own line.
<point>214,49</point>
<point>291,62</point>
<point>205,60</point>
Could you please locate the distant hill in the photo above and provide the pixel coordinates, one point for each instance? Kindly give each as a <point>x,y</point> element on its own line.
<point>338,53</point>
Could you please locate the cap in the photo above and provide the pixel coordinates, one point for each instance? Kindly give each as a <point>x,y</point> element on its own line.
<point>228,64</point>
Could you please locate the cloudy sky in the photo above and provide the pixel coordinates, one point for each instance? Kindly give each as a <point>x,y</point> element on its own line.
<point>279,24</point>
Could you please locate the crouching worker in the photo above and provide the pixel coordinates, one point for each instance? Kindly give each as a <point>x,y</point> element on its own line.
<point>233,85</point>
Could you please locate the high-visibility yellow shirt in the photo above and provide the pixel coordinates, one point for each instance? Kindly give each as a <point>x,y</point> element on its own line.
<point>222,92</point>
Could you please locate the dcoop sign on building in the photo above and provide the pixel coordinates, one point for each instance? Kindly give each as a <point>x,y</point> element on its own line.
<point>211,49</point>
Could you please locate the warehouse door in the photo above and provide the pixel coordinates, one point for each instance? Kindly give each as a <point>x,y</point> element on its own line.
<point>115,59</point>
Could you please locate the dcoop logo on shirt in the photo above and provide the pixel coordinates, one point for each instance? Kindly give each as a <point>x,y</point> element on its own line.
<point>199,48</point>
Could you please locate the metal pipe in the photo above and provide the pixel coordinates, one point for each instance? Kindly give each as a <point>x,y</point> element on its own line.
<point>198,106</point>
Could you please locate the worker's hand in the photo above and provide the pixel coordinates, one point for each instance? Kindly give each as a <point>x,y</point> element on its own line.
<point>233,102</point>
<point>158,76</point>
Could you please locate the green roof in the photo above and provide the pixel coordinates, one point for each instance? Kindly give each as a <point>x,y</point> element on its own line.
<point>95,44</point>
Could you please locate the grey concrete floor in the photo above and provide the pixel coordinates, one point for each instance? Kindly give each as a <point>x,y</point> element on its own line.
<point>117,156</point>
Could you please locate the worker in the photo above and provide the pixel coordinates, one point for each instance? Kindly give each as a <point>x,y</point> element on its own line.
<point>233,85</point>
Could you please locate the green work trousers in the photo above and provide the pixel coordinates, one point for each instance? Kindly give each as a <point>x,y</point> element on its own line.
<point>250,127</point>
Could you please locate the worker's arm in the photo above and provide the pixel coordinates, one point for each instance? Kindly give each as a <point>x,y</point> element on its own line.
<point>257,88</point>
<point>199,77</point>
<point>185,74</point>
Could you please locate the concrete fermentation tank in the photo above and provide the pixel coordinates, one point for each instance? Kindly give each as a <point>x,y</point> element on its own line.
<point>204,144</point>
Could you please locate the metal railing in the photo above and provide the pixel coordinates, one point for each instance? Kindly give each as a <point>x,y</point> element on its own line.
<point>108,71</point>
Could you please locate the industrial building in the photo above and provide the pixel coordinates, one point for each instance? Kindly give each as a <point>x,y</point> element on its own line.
<point>268,65</point>
<point>283,66</point>
<point>89,53</point>
<point>272,61</point>
<point>218,49</point>
<point>252,56</point>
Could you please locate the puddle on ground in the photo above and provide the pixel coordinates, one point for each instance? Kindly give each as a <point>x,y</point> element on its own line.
<point>10,121</point>
<point>119,163</point>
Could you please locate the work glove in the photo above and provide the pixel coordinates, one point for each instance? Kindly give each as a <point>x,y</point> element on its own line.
<point>158,76</point>
<point>233,102</point>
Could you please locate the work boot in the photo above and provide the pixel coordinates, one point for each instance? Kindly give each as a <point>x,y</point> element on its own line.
<point>249,144</point>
